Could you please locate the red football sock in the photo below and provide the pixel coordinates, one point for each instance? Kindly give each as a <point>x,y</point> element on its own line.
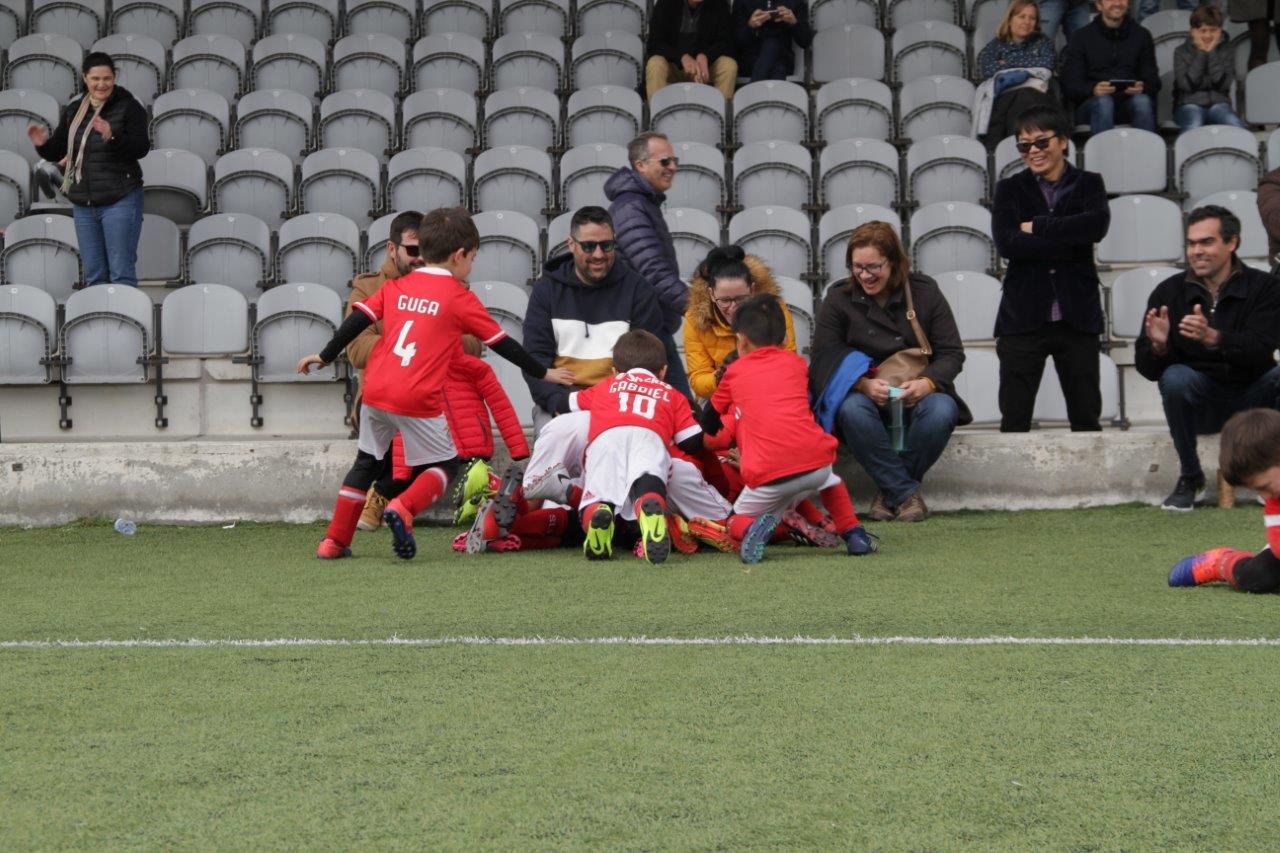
<point>346,513</point>
<point>738,526</point>
<point>809,512</point>
<point>575,495</point>
<point>1218,564</point>
<point>662,502</point>
<point>399,470</point>
<point>541,522</point>
<point>836,500</point>
<point>428,486</point>
<point>588,511</point>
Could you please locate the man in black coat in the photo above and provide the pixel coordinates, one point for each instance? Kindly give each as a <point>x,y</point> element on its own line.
<point>691,41</point>
<point>1113,48</point>
<point>1209,339</point>
<point>766,31</point>
<point>1045,221</point>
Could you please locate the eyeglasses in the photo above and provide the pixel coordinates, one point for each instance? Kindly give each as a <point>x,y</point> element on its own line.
<point>1042,143</point>
<point>411,251</point>
<point>664,162</point>
<point>872,269</point>
<point>729,301</point>
<point>590,246</point>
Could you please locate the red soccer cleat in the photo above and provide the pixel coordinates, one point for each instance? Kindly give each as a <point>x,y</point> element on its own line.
<point>681,538</point>
<point>802,532</point>
<point>331,550</point>
<point>713,533</point>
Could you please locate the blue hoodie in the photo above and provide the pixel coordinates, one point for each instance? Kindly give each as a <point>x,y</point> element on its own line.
<point>645,241</point>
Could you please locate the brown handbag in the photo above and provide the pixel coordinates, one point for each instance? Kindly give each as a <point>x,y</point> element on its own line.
<point>907,364</point>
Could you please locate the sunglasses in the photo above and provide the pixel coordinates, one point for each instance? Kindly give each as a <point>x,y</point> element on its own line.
<point>590,246</point>
<point>411,251</point>
<point>1042,143</point>
<point>664,162</point>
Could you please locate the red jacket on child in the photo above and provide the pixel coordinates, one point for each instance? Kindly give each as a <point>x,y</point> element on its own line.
<point>471,392</point>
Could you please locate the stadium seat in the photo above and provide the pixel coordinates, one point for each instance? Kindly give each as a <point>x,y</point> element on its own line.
<point>358,118</point>
<point>107,333</point>
<point>440,118</point>
<point>294,320</point>
<point>984,18</point>
<point>799,299</point>
<point>689,112</point>
<point>42,251</point>
<point>1262,84</point>
<point>13,21</point>
<point>603,114</point>
<point>558,235</point>
<point>239,19</point>
<point>162,20</point>
<point>1216,158</point>
<point>936,106</point>
<point>196,120</point>
<point>175,185</point>
<point>951,235</point>
<point>833,234</point>
<point>1129,294</point>
<point>205,320</point>
<point>507,304</point>
<point>449,61</point>
<point>773,173</point>
<point>392,17</point>
<point>141,66</point>
<point>469,17</point>
<point>929,49</point>
<point>1052,406</point>
<point>611,16</point>
<point>824,14</point>
<point>1168,29</point>
<point>509,247</point>
<point>277,119</point>
<point>426,177</point>
<point>974,298</point>
<point>527,59</point>
<point>854,171</point>
<point>1130,160</point>
<point>213,62</point>
<point>293,62</point>
<point>81,20</point>
<point>375,242</point>
<point>1145,229</point>
<point>15,186</point>
<point>522,116</point>
<point>342,180</point>
<point>583,171</point>
<point>979,385</point>
<point>257,181</point>
<point>1164,104</point>
<point>854,109</point>
<point>159,250</point>
<point>318,247</point>
<point>369,61</point>
<point>1273,149</point>
<point>316,18</point>
<point>900,13</point>
<point>947,168</point>
<point>28,323</point>
<point>233,249</point>
<point>701,185</point>
<point>771,110</point>
<point>693,234</point>
<point>47,63</point>
<point>848,50</point>
<point>1008,161</point>
<point>780,236</point>
<point>1253,235</point>
<point>548,17</point>
<point>607,59</point>
<point>515,177</point>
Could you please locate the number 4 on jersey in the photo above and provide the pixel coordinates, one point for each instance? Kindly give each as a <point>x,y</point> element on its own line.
<point>403,348</point>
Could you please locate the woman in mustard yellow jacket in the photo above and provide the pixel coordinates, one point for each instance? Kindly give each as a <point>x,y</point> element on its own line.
<point>722,282</point>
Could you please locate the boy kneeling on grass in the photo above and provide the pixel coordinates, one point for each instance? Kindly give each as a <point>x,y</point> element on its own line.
<point>1249,457</point>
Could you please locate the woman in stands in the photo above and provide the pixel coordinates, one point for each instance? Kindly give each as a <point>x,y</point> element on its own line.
<point>868,348</point>
<point>101,135</point>
<point>1018,46</point>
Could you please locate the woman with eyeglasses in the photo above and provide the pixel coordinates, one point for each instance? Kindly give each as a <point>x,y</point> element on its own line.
<point>1008,60</point>
<point>866,317</point>
<point>721,283</point>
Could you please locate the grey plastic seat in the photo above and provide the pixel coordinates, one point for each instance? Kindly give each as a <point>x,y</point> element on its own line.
<point>522,116</point>
<point>778,235</point>
<point>141,66</point>
<point>974,298</point>
<point>929,49</point>
<point>277,119</point>
<point>509,247</point>
<point>28,323</point>
<point>175,185</point>
<point>979,384</point>
<point>583,171</point>
<point>984,18</point>
<point>375,243</point>
<point>106,330</point>
<point>205,320</point>
<point>196,120</point>
<point>1168,29</point>
<point>239,19</point>
<point>159,250</point>
<point>1273,149</point>
<point>771,110</point>
<point>947,168</point>
<point>848,50</point>
<point>440,118</point>
<point>81,20</point>
<point>1008,162</point>
<point>527,59</point>
<point>1216,158</point>
<point>834,229</point>
<point>507,304</point>
<point>215,62</point>
<point>854,109</point>
<point>515,177</point>
<point>1052,406</point>
<point>604,16</point>
<point>952,235</point>
<point>824,14</point>
<point>693,234</point>
<point>936,106</point>
<point>607,59</point>
<point>316,18</point>
<point>1144,229</point>
<point>1244,204</point>
<point>899,13</point>
<point>318,247</point>
<point>469,17</point>
<point>257,181</point>
<point>291,61</point>
<point>15,185</point>
<point>700,182</point>
<point>449,61</point>
<point>342,180</point>
<point>44,62</point>
<point>369,61</point>
<point>558,234</point>
<point>294,320</point>
<point>603,114</point>
<point>548,17</point>
<point>233,249</point>
<point>1263,85</point>
<point>689,112</point>
<point>1130,160</point>
<point>1129,294</point>
<point>159,19</point>
<point>854,171</point>
<point>799,298</point>
<point>382,16</point>
<point>358,118</point>
<point>419,177</point>
<point>13,21</point>
<point>773,173</point>
<point>42,251</point>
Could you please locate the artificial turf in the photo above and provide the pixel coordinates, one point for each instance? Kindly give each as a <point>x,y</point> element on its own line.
<point>638,747</point>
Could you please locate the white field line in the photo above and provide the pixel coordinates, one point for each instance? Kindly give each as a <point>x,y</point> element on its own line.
<point>738,640</point>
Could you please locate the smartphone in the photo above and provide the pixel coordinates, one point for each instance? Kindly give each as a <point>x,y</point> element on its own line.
<point>1121,85</point>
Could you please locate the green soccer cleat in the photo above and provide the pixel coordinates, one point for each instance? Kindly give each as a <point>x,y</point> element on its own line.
<point>599,541</point>
<point>655,544</point>
<point>474,482</point>
<point>466,514</point>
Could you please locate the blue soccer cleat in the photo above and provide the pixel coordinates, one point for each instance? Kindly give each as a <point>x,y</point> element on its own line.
<point>1183,571</point>
<point>859,542</point>
<point>758,535</point>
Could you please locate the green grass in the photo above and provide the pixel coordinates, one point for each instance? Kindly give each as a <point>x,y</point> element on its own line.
<point>638,747</point>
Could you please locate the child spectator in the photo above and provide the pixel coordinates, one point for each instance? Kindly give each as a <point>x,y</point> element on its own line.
<point>1249,457</point>
<point>1204,71</point>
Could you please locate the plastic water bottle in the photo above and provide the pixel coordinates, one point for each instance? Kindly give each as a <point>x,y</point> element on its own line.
<point>125,527</point>
<point>897,427</point>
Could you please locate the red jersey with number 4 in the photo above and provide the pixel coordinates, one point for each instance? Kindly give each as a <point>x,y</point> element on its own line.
<point>636,398</point>
<point>424,315</point>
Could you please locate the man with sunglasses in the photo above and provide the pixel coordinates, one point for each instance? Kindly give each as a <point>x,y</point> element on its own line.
<point>1045,221</point>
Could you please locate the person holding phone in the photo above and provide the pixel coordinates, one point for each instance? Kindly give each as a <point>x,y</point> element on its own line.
<point>767,34</point>
<point>1110,70</point>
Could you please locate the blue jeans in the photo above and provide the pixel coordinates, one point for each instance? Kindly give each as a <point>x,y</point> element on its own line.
<point>929,426</point>
<point>1189,116</point>
<point>771,60</point>
<point>1072,14</point>
<point>677,377</point>
<point>108,238</point>
<point>1099,112</point>
<point>1150,7</point>
<point>1194,403</point>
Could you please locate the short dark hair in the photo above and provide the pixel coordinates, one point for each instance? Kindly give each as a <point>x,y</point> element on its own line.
<point>97,59</point>
<point>444,231</point>
<point>638,348</point>
<point>638,148</point>
<point>1206,14</point>
<point>1047,119</point>
<point>1250,444</point>
<point>760,320</point>
<point>589,215</point>
<point>1228,222</point>
<point>410,220</point>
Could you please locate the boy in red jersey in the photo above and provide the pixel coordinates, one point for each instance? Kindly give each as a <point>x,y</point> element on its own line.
<point>1249,456</point>
<point>423,315</point>
<point>785,455</point>
<point>634,416</point>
